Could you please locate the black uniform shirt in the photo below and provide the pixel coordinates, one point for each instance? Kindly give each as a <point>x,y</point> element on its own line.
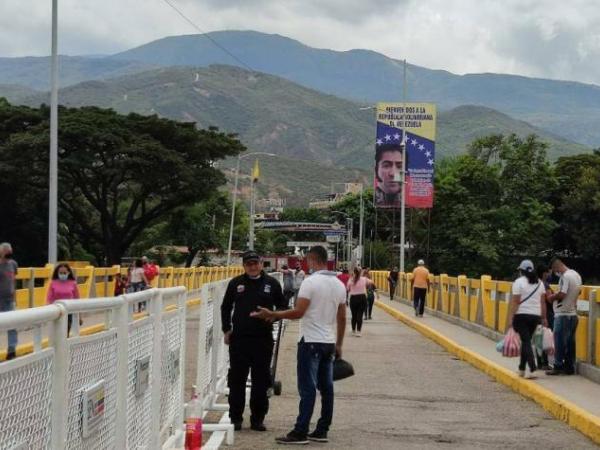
<point>243,296</point>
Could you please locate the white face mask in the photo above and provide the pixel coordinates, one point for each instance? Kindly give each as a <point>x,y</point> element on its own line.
<point>63,276</point>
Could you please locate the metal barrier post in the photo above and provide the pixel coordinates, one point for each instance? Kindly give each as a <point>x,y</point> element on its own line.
<point>31,287</point>
<point>593,316</point>
<point>122,322</point>
<point>59,381</point>
<point>156,311</point>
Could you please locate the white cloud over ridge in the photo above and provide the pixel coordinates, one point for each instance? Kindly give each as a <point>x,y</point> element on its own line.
<point>543,38</point>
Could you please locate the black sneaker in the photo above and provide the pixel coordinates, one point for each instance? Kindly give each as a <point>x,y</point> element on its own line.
<point>555,372</point>
<point>258,427</point>
<point>292,438</point>
<point>318,436</point>
<point>237,426</point>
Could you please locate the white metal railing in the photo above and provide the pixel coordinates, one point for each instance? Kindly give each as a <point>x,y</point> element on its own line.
<point>120,385</point>
<point>118,388</point>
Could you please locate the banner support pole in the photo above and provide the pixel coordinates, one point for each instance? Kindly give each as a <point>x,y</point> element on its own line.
<point>403,200</point>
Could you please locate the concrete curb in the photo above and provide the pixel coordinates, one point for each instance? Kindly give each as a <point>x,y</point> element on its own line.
<point>562,409</point>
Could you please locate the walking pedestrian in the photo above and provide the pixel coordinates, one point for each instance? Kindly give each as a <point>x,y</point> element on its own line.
<point>565,319</point>
<point>527,311</point>
<point>420,285</point>
<point>288,282</point>
<point>357,288</point>
<point>120,284</point>
<point>393,281</point>
<point>63,287</point>
<point>250,340</point>
<point>299,277</point>
<point>8,273</point>
<point>137,277</point>
<point>320,306</point>
<point>371,289</point>
<point>150,270</point>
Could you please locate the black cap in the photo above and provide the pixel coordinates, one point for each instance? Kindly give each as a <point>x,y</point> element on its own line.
<point>250,255</point>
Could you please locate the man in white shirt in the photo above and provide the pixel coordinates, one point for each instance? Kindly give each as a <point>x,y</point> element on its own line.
<point>321,304</point>
<point>565,318</point>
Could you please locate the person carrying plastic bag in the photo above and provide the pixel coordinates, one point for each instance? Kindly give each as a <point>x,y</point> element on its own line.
<point>527,311</point>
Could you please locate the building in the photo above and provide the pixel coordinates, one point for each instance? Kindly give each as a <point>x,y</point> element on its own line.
<point>331,199</point>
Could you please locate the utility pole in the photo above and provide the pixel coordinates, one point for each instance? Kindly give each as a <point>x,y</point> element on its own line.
<point>53,175</point>
<point>403,200</point>
<point>361,227</point>
<point>251,233</point>
<point>350,256</point>
<point>235,187</point>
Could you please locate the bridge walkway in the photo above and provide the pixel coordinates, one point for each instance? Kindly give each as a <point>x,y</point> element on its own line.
<point>410,393</point>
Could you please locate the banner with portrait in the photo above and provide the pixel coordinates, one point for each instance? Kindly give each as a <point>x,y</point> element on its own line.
<point>416,124</point>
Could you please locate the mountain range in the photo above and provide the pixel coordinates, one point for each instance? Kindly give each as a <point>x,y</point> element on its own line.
<point>563,108</point>
<point>273,114</point>
<point>306,105</point>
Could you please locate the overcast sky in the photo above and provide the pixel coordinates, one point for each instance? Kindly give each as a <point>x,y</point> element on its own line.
<point>545,38</point>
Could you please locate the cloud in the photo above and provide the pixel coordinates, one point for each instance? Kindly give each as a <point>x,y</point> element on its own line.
<point>543,38</point>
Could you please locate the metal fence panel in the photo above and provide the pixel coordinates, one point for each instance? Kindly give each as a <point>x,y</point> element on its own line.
<point>26,401</point>
<point>92,359</point>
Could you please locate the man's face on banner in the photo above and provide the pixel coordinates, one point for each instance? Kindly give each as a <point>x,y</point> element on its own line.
<point>389,170</point>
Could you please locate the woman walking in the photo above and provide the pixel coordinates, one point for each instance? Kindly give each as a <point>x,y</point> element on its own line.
<point>370,294</point>
<point>63,287</point>
<point>527,311</point>
<point>357,288</point>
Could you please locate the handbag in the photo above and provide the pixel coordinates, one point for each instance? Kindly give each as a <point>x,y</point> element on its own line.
<point>538,340</point>
<point>512,344</point>
<point>548,341</point>
<point>342,369</point>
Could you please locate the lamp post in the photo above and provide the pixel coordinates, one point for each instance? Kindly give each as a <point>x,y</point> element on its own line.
<point>235,187</point>
<point>361,216</point>
<point>349,227</point>
<point>53,169</point>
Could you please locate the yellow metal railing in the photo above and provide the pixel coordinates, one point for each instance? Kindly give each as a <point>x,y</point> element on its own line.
<point>486,302</point>
<point>33,282</point>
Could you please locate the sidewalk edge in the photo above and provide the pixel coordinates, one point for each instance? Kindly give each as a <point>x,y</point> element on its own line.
<point>562,409</point>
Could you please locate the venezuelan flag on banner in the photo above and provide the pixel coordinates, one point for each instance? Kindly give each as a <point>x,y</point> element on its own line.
<point>255,171</point>
<point>418,121</point>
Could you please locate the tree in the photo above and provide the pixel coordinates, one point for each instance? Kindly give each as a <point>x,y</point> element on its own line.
<point>119,174</point>
<point>578,200</point>
<point>493,206</point>
<point>203,226</point>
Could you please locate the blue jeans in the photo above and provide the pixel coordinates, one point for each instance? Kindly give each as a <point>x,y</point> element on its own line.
<point>5,306</point>
<point>315,371</point>
<point>564,342</point>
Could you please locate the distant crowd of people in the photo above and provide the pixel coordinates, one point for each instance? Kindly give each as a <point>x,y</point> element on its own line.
<point>63,286</point>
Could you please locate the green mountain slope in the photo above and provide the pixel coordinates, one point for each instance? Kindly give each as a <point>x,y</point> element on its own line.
<point>34,72</point>
<point>275,115</point>
<point>567,109</point>
<point>295,180</point>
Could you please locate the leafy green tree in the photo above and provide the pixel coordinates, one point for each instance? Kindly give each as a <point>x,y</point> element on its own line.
<point>118,174</point>
<point>578,200</point>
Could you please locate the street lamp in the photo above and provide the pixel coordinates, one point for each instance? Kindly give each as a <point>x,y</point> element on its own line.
<point>349,233</point>
<point>53,160</point>
<point>235,186</point>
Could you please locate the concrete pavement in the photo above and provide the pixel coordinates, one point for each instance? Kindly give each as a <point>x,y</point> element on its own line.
<point>409,393</point>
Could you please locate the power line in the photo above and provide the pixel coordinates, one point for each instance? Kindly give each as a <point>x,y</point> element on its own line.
<point>207,36</point>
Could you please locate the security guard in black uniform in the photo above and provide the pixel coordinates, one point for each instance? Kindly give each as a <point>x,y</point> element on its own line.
<point>250,340</point>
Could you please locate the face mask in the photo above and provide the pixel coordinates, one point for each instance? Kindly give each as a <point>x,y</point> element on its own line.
<point>558,274</point>
<point>7,255</point>
<point>63,276</point>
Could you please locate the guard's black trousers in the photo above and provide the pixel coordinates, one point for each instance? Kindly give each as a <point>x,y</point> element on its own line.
<point>249,354</point>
